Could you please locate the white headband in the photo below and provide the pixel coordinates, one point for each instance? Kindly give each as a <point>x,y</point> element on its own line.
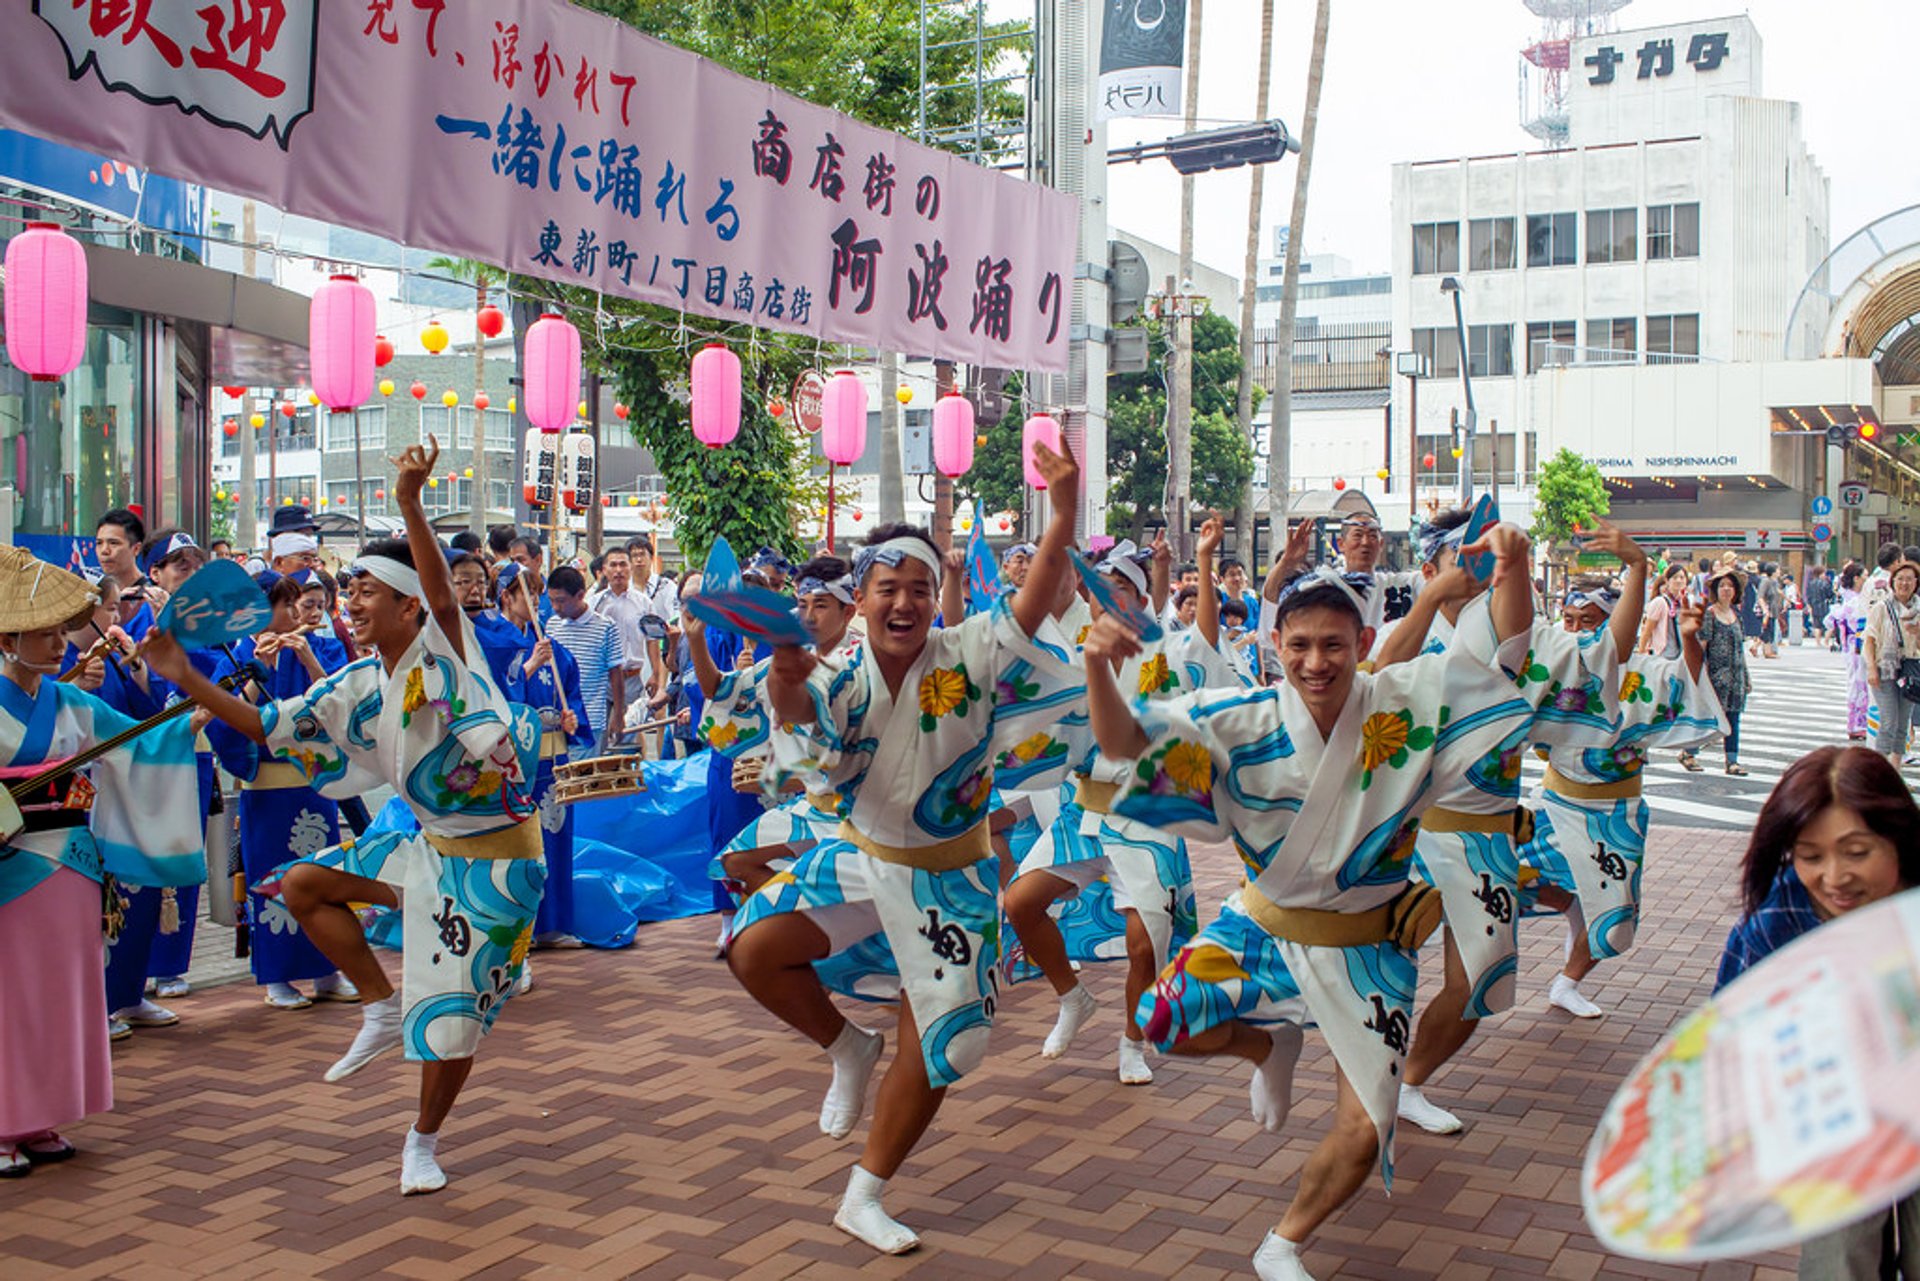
<point>1121,560</point>
<point>894,551</point>
<point>294,544</point>
<point>841,588</point>
<point>1323,577</point>
<point>402,578</point>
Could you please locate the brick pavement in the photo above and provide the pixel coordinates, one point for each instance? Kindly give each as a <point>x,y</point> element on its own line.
<point>636,1116</point>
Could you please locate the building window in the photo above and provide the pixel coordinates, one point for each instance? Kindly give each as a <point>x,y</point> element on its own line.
<point>1441,347</point>
<point>340,496</point>
<point>1673,340</point>
<point>1490,244</point>
<point>1612,235</point>
<point>1445,472</point>
<point>1490,351</point>
<point>1613,341</point>
<point>499,429</point>
<point>1551,240</point>
<point>1562,334</point>
<point>339,429</point>
<point>1673,231</point>
<point>1436,248</point>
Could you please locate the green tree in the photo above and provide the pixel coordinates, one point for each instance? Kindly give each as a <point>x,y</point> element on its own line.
<point>220,511</point>
<point>1570,493</point>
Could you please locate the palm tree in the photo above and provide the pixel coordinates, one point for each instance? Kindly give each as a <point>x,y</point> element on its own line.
<point>1279,453</point>
<point>483,278</point>
<point>1244,537</point>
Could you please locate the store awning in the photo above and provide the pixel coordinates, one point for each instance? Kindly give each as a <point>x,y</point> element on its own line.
<point>259,330</point>
<point>1330,504</point>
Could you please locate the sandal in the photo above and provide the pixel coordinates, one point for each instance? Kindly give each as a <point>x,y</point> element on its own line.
<point>13,1165</point>
<point>46,1149</point>
<point>1688,763</point>
<point>1736,771</point>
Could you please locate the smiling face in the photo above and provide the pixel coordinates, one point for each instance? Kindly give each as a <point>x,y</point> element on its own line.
<point>470,585</point>
<point>380,617</point>
<point>898,604</point>
<point>313,607</point>
<point>1360,544</point>
<point>1843,863</point>
<point>1320,648</point>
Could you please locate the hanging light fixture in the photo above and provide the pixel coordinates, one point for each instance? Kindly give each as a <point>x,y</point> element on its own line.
<point>952,434</point>
<point>552,372</point>
<point>843,412</point>
<point>716,395</point>
<point>342,341</point>
<point>46,302</point>
<point>1040,429</point>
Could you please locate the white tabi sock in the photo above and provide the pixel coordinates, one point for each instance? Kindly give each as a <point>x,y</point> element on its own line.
<point>419,1171</point>
<point>1278,1259</point>
<point>860,1215</point>
<point>1566,994</point>
<point>1076,1007</point>
<point>1423,1112</point>
<point>1133,1062</point>
<point>379,1032</point>
<point>854,1052</point>
<point>1272,1090</point>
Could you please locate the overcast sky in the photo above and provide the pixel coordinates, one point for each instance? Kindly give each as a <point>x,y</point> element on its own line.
<point>1416,79</point>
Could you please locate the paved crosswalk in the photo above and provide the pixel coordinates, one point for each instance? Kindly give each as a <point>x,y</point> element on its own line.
<point>1798,703</point>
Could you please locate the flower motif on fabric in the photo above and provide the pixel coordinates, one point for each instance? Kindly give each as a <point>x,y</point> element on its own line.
<point>314,763</point>
<point>719,735</point>
<point>970,799</point>
<point>1634,689</point>
<point>308,834</point>
<point>1011,689</point>
<point>465,783</point>
<point>414,697</point>
<point>1388,738</point>
<point>1179,769</point>
<point>1156,676</point>
<point>1531,672</point>
<point>945,690</point>
<point>1035,747</point>
<point>1511,761</point>
<point>1203,963</point>
<point>1080,637</point>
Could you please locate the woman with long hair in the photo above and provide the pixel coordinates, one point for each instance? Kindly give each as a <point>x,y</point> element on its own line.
<point>1847,616</point>
<point>1839,832</point>
<point>1892,635</point>
<point>1720,636</point>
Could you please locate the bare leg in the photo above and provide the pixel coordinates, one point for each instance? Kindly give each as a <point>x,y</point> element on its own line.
<point>774,961</point>
<point>752,867</point>
<point>1241,1040</point>
<point>440,1084</point>
<point>1580,959</point>
<point>1026,902</point>
<point>1337,1168</point>
<point>906,1104</point>
<point>1141,971</point>
<point>1442,1031</point>
<point>318,897</point>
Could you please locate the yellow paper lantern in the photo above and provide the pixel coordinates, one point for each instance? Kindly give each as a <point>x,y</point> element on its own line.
<point>468,473</point>
<point>1382,473</point>
<point>286,502</point>
<point>220,495</point>
<point>323,500</point>
<point>904,395</point>
<point>386,386</point>
<point>1458,452</point>
<point>582,411</point>
<point>966,524</point>
<point>513,404</point>
<point>257,421</point>
<point>450,398</point>
<point>433,482</point>
<point>633,500</point>
<point>313,398</point>
<point>434,338</point>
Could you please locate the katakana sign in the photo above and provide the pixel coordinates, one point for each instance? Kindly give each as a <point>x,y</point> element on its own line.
<point>550,140</point>
<point>1655,58</point>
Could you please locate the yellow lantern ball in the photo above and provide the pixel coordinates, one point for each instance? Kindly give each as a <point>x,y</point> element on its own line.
<point>1458,452</point>
<point>513,404</point>
<point>286,502</point>
<point>468,473</point>
<point>966,524</point>
<point>257,421</point>
<point>1382,473</point>
<point>220,495</point>
<point>386,386</point>
<point>582,411</point>
<point>433,482</point>
<point>323,500</point>
<point>979,442</point>
<point>434,338</point>
<point>633,500</point>
<point>904,395</point>
<point>313,398</point>
<point>450,398</point>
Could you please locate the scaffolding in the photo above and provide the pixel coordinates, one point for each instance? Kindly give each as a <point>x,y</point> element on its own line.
<point>1545,64</point>
<point>1000,55</point>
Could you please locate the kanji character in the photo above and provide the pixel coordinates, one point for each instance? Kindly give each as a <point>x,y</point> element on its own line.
<point>773,299</point>
<point>743,292</point>
<point>620,259</point>
<point>432,8</point>
<point>879,185</point>
<point>826,169</point>
<point>926,197</point>
<point>586,253</point>
<point>473,128</point>
<point>992,299</point>
<point>620,178</point>
<point>520,148</point>
<point>549,244</point>
<point>506,53</point>
<point>685,265</point>
<point>772,157</point>
<point>586,84</point>
<point>104,17</point>
<point>380,21</point>
<point>1656,59</point>
<point>1707,50</point>
<point>672,190</point>
<point>924,286</point>
<point>855,261</point>
<point>721,215</point>
<point>1051,293</point>
<point>802,309</point>
<point>716,291</point>
<point>625,84</point>
<point>250,32</point>
<point>1603,60</point>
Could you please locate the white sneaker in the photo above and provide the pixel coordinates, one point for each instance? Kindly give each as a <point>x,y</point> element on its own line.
<point>855,1053</point>
<point>1429,1116</point>
<point>379,1032</point>
<point>1076,1007</point>
<point>1133,1063</point>
<point>1278,1259</point>
<point>1566,994</point>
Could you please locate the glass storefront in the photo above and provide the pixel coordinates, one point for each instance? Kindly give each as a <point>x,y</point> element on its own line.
<point>68,447</point>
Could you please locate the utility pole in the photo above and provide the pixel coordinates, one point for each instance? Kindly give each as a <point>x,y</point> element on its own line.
<point>246,520</point>
<point>942,483</point>
<point>596,519</point>
<point>893,489</point>
<point>1246,540</point>
<point>1280,442</point>
<point>1180,372</point>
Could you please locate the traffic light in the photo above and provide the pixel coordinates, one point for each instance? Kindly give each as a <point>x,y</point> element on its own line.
<point>1846,433</point>
<point>1869,431</point>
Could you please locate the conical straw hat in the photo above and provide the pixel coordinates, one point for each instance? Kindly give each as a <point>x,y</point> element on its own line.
<point>34,594</point>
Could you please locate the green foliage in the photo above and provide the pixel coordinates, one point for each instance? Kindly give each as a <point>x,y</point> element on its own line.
<point>1569,492</point>
<point>996,478</point>
<point>220,513</point>
<point>1137,436</point>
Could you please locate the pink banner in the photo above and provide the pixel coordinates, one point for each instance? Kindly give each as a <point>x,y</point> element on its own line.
<point>553,141</point>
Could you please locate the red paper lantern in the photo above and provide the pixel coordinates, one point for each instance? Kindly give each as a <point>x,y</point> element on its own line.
<point>234,393</point>
<point>46,302</point>
<point>341,338</point>
<point>843,411</point>
<point>552,372</point>
<point>418,391</point>
<point>1039,429</point>
<point>380,494</point>
<point>306,500</point>
<point>858,515</point>
<point>620,411</point>
<point>382,350</point>
<point>230,427</point>
<point>481,400</point>
<point>288,409</point>
<point>489,321</point>
<point>606,500</point>
<point>952,434</point>
<point>1427,460</point>
<point>1339,483</point>
<point>716,395</point>
<point>776,407</point>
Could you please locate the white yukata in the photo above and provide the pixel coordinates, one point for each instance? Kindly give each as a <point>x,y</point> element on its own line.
<point>919,775</point>
<point>445,738</point>
<point>1322,824</point>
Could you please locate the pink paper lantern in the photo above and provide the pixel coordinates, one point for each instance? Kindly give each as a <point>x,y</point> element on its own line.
<point>46,304</point>
<point>716,395</point>
<point>1040,429</point>
<point>552,373</point>
<point>341,337</point>
<point>843,412</point>
<point>953,434</point>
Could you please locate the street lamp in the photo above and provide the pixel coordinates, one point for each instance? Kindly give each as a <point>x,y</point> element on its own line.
<point>1449,285</point>
<point>1413,366</point>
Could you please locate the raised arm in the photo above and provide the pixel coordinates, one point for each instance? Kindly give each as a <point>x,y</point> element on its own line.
<point>1034,601</point>
<point>413,466</point>
<point>1114,726</point>
<point>1512,602</point>
<point>1625,624</point>
<point>703,666</point>
<point>787,684</point>
<point>1692,615</point>
<point>1161,584</point>
<point>1207,606</point>
<point>1291,562</point>
<point>953,588</point>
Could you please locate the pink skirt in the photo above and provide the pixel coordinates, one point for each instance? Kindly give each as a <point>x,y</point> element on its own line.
<point>55,1065</point>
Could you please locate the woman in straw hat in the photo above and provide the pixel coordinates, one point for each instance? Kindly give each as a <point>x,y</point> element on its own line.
<point>131,818</point>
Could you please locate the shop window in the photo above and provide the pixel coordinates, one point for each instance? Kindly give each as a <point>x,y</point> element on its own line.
<point>1436,248</point>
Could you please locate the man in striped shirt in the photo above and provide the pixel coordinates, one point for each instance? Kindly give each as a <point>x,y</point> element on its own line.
<point>595,643</point>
